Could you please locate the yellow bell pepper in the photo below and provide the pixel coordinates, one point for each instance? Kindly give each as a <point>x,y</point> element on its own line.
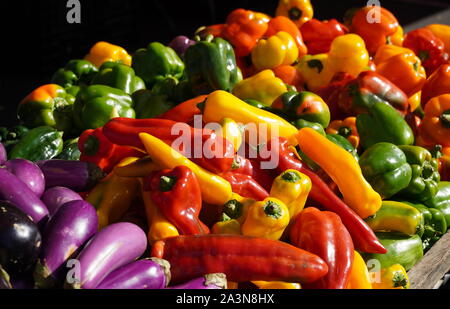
<point>316,71</point>
<point>299,11</point>
<point>393,277</point>
<point>397,38</point>
<point>292,188</point>
<point>139,167</point>
<point>104,51</point>
<point>279,49</point>
<point>267,219</point>
<point>387,51</point>
<point>348,54</point>
<point>237,207</point>
<point>359,275</point>
<point>345,171</point>
<point>443,32</point>
<point>158,226</point>
<point>231,131</point>
<point>227,226</point>
<point>221,104</point>
<point>263,87</point>
<point>215,189</point>
<point>277,285</point>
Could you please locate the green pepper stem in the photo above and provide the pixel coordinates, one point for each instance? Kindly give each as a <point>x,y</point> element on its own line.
<point>291,176</point>
<point>445,118</point>
<point>233,209</point>
<point>272,209</point>
<point>345,131</point>
<point>295,13</point>
<point>166,183</point>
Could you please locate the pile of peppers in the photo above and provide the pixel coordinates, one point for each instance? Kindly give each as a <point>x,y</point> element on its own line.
<point>355,114</point>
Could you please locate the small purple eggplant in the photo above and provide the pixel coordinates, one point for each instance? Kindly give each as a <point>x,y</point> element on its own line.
<point>3,154</point>
<point>14,190</point>
<point>114,246</point>
<point>210,281</point>
<point>29,173</point>
<point>78,176</point>
<point>152,273</point>
<point>180,44</point>
<point>54,197</point>
<point>69,228</point>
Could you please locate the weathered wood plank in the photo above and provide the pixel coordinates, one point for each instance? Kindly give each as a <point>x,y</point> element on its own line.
<point>433,266</point>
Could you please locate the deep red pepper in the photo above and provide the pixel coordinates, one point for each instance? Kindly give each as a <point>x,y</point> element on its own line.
<point>177,195</point>
<point>324,234</point>
<point>185,111</point>
<point>252,168</point>
<point>318,35</point>
<point>240,258</point>
<point>96,148</point>
<point>363,237</point>
<point>245,185</point>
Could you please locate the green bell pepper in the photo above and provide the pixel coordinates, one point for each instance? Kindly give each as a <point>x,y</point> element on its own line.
<point>211,65</point>
<point>48,105</point>
<point>97,104</point>
<point>441,200</point>
<point>385,167</point>
<point>383,124</point>
<point>120,76</point>
<point>41,143</point>
<point>344,143</point>
<point>425,176</point>
<point>70,150</point>
<point>157,62</point>
<point>302,123</point>
<point>150,105</point>
<point>77,72</point>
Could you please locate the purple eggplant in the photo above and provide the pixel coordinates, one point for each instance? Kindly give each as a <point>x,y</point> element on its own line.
<point>3,154</point>
<point>210,281</point>
<point>78,176</point>
<point>114,246</point>
<point>152,273</point>
<point>66,231</point>
<point>14,190</point>
<point>29,173</point>
<point>54,197</point>
<point>180,44</point>
<point>20,239</point>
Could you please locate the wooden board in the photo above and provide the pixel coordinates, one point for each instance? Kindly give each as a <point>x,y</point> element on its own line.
<point>433,266</point>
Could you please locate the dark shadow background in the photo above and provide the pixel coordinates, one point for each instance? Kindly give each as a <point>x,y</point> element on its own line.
<point>37,39</point>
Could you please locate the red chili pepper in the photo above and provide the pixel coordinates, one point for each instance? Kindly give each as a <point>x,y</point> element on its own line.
<point>177,195</point>
<point>428,47</point>
<point>322,233</point>
<point>318,35</point>
<point>245,186</point>
<point>185,111</point>
<point>240,258</point>
<point>363,237</point>
<point>96,148</point>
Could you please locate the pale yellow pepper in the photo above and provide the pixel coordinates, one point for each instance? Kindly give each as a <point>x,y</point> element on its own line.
<point>231,131</point>
<point>348,54</point>
<point>393,277</point>
<point>103,51</point>
<point>316,71</point>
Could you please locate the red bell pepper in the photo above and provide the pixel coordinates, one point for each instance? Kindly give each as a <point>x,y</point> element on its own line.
<point>245,185</point>
<point>185,111</point>
<point>96,148</point>
<point>240,258</point>
<point>322,233</point>
<point>318,35</point>
<point>249,167</point>
<point>177,195</point>
<point>363,237</point>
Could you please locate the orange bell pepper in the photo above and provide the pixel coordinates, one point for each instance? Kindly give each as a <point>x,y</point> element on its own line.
<point>299,11</point>
<point>442,32</point>
<point>346,128</point>
<point>103,51</point>
<point>437,83</point>
<point>289,75</point>
<point>282,23</point>
<point>435,126</point>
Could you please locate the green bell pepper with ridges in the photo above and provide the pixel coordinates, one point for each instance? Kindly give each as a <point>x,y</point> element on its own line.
<point>385,167</point>
<point>441,200</point>
<point>302,123</point>
<point>9,137</point>
<point>157,62</point>
<point>150,105</point>
<point>383,123</point>
<point>425,176</point>
<point>70,150</point>
<point>211,65</point>
<point>120,76</point>
<point>434,219</point>
<point>97,104</point>
<point>77,72</point>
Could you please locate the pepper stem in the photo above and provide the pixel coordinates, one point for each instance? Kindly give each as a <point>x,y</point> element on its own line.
<point>166,183</point>
<point>91,146</point>
<point>233,209</point>
<point>272,209</point>
<point>445,118</point>
<point>345,131</point>
<point>400,280</point>
<point>315,64</point>
<point>295,13</point>
<point>291,176</point>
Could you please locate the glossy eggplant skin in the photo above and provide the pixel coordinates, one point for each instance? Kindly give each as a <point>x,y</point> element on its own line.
<point>55,197</point>
<point>29,173</point>
<point>207,282</point>
<point>114,246</point>
<point>66,231</point>
<point>78,176</point>
<point>15,191</point>
<point>3,154</point>
<point>20,239</point>
<point>152,273</point>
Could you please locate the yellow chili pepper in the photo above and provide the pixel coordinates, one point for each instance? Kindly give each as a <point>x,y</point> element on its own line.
<point>104,51</point>
<point>277,50</point>
<point>393,277</point>
<point>299,11</point>
<point>220,104</point>
<point>263,87</point>
<point>215,189</point>
<point>443,32</point>
<point>267,219</point>
<point>158,226</point>
<point>348,54</point>
<point>231,131</point>
<point>359,275</point>
<point>227,226</point>
<point>277,285</point>
<point>342,167</point>
<point>346,128</point>
<point>292,188</point>
<point>139,167</point>
<point>316,71</point>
